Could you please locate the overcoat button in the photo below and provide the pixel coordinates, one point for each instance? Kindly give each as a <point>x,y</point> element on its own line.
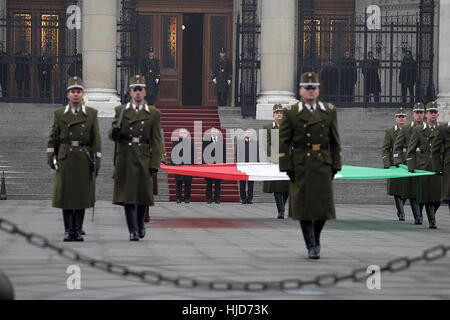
<point>129,144</point>
<point>308,154</point>
<point>308,134</point>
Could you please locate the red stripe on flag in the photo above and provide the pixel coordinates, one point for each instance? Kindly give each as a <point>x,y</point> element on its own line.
<point>225,171</point>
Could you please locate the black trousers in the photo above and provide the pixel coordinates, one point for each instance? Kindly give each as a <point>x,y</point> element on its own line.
<point>249,194</point>
<point>135,215</point>
<point>209,183</point>
<point>4,84</point>
<point>179,189</point>
<point>280,200</point>
<point>222,98</point>
<point>44,85</point>
<point>151,99</point>
<point>346,93</point>
<point>405,89</point>
<point>23,84</point>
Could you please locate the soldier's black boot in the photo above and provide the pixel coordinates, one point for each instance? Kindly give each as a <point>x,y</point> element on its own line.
<point>318,226</point>
<point>131,216</point>
<point>78,218</point>
<point>308,235</point>
<point>68,225</point>
<point>147,214</point>
<point>140,220</point>
<point>421,212</point>
<point>280,204</point>
<point>429,208</point>
<point>416,211</point>
<point>399,206</point>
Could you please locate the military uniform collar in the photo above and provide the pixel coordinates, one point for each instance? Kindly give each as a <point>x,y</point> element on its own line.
<point>396,128</point>
<point>425,125</point>
<point>146,107</point>
<point>449,124</point>
<point>83,109</point>
<point>302,104</point>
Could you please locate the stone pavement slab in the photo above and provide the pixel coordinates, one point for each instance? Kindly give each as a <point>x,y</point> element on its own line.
<point>226,242</point>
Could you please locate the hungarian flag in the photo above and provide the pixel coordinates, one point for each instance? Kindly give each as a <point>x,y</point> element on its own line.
<point>261,171</point>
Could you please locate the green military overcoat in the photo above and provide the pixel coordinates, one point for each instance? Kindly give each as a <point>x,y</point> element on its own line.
<point>74,182</point>
<point>278,185</point>
<point>394,186</point>
<point>419,157</point>
<point>132,181</point>
<point>317,151</point>
<point>441,144</point>
<point>409,185</point>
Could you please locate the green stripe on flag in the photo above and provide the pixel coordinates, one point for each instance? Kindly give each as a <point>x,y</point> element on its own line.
<point>362,173</point>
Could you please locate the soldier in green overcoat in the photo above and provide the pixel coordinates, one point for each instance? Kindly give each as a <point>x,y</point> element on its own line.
<point>280,188</point>
<point>137,156</point>
<point>74,152</point>
<point>419,157</point>
<point>310,154</point>
<point>394,186</point>
<point>441,164</point>
<point>409,185</point>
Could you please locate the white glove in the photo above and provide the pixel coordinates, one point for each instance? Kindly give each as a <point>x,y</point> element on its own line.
<point>215,81</point>
<point>157,81</point>
<point>229,82</point>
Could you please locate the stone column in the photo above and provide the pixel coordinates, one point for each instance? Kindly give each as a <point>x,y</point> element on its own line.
<point>444,62</point>
<point>99,55</point>
<point>278,72</point>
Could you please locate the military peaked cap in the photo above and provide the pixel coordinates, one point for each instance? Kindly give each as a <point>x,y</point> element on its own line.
<point>277,107</point>
<point>137,81</point>
<point>419,106</point>
<point>400,112</point>
<point>75,83</point>
<point>309,79</point>
<point>432,106</point>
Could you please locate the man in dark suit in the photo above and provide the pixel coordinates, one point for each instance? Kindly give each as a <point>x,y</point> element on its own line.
<point>408,76</point>
<point>45,66</point>
<point>4,65</point>
<point>348,77</point>
<point>183,153</point>
<point>372,82</point>
<point>247,151</point>
<point>213,151</point>
<point>151,71</point>
<point>222,75</point>
<point>76,68</point>
<point>22,74</point>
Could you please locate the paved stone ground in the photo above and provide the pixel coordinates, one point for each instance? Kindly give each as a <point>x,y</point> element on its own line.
<point>224,242</point>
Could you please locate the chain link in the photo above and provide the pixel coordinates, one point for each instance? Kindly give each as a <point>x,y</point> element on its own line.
<point>155,278</point>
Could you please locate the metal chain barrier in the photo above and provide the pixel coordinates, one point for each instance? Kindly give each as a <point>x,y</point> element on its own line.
<point>156,278</point>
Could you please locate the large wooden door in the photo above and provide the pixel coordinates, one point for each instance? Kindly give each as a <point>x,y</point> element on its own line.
<point>218,34</point>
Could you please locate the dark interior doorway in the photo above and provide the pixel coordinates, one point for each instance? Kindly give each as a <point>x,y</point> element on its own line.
<point>192,58</point>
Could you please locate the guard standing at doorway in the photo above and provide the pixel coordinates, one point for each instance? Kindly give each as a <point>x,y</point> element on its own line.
<point>310,154</point>
<point>74,152</point>
<point>137,134</point>
<point>151,71</point>
<point>45,66</point>
<point>222,75</point>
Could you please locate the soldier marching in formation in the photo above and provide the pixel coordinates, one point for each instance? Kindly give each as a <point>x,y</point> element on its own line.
<point>222,75</point>
<point>419,157</point>
<point>280,188</point>
<point>394,186</point>
<point>441,165</point>
<point>74,152</point>
<point>310,154</point>
<point>137,135</point>
<point>151,71</point>
<point>409,185</point>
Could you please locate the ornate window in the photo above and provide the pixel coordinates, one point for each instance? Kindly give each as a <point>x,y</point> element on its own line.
<point>22,32</point>
<point>169,42</point>
<point>50,33</point>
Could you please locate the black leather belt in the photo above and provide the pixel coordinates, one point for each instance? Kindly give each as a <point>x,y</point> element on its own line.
<point>73,143</point>
<point>135,139</point>
<point>313,147</point>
